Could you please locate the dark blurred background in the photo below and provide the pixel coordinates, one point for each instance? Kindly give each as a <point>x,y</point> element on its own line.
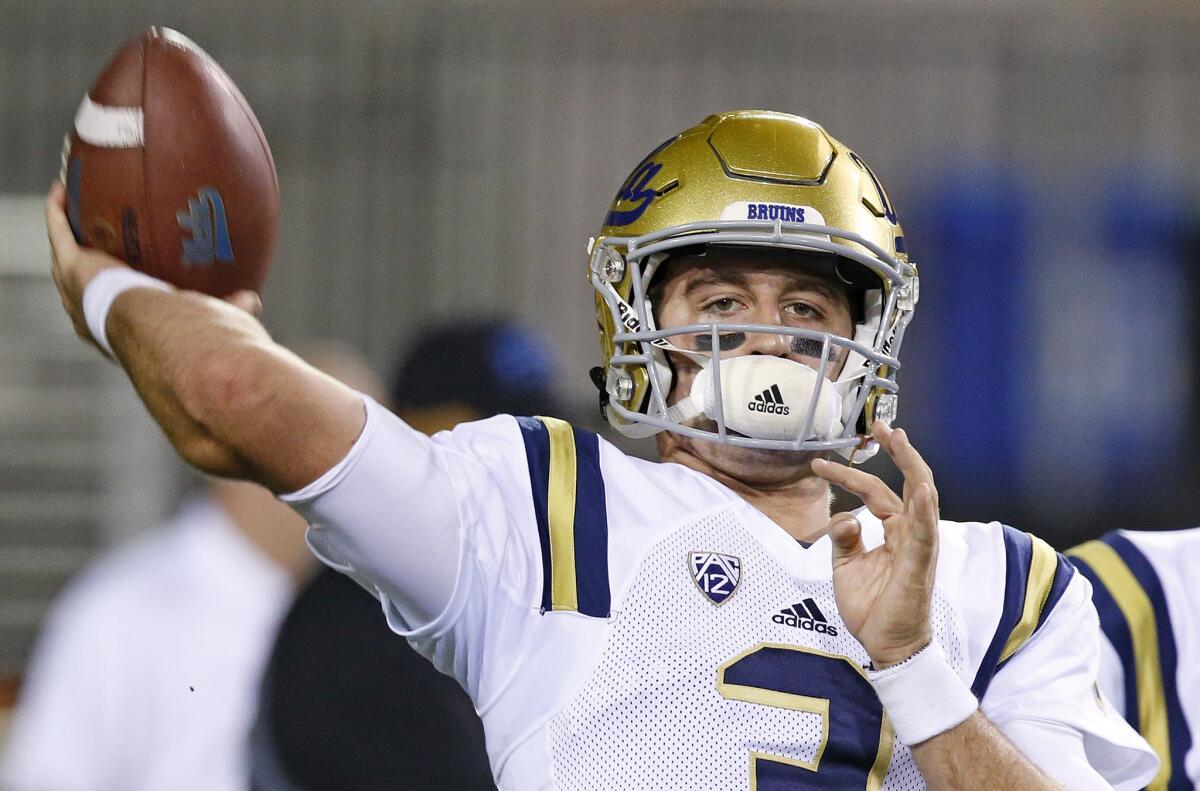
<point>451,159</point>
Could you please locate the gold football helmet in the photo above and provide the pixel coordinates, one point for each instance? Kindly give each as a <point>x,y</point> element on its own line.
<point>751,178</point>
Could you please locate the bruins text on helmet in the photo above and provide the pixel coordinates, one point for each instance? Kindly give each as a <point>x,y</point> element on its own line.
<point>753,179</point>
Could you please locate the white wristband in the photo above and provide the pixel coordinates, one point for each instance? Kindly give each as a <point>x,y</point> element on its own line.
<point>922,695</point>
<point>103,290</point>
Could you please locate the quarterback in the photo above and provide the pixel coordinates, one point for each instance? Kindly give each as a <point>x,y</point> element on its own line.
<point>700,623</point>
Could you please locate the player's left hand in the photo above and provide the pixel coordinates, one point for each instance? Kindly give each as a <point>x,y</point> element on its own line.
<point>883,594</point>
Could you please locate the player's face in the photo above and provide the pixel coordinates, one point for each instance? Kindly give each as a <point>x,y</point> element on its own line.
<point>740,286</point>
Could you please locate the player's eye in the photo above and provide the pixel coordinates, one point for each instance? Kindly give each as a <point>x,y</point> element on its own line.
<point>721,305</point>
<point>803,310</point>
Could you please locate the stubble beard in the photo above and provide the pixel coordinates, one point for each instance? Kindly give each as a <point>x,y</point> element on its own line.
<point>754,467</point>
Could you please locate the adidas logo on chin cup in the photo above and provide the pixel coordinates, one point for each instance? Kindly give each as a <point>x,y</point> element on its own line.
<point>769,401</point>
<point>807,616</point>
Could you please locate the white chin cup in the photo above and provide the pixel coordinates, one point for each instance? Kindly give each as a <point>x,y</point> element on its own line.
<point>765,397</point>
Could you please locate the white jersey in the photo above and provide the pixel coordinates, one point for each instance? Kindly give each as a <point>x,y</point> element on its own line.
<point>623,624</point>
<point>1145,591</point>
<point>146,672</point>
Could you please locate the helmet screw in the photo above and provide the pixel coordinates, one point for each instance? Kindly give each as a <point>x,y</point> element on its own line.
<point>885,407</point>
<point>610,266</point>
<point>620,384</point>
<point>908,294</point>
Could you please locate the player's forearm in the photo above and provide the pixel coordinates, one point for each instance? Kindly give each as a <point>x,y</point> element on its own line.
<point>168,342</point>
<point>232,402</point>
<point>976,754</point>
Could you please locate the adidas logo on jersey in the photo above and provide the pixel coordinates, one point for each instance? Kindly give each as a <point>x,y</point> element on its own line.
<point>807,616</point>
<point>769,401</point>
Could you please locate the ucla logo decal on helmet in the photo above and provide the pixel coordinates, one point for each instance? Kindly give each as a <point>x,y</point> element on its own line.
<point>635,194</point>
<point>752,178</point>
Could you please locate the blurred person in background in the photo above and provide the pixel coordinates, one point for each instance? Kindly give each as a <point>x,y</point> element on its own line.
<point>345,703</point>
<point>1144,588</point>
<point>146,672</point>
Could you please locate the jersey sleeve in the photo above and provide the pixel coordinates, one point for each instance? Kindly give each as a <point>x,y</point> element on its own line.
<point>1141,658</point>
<point>467,536</point>
<point>1037,681</point>
<point>389,516</point>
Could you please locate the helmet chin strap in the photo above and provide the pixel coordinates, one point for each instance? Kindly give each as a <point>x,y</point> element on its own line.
<point>765,397</point>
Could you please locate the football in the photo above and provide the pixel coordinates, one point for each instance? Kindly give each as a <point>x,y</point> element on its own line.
<point>168,169</point>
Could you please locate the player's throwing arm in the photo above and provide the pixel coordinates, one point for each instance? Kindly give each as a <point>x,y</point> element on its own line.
<point>232,402</point>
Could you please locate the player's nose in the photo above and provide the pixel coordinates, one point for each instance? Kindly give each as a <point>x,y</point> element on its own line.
<point>767,343</point>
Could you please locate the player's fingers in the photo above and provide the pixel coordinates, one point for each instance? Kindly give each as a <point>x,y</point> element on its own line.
<point>926,512</point>
<point>896,444</point>
<point>56,274</point>
<point>909,460</point>
<point>58,229</point>
<point>846,534</point>
<point>923,529</point>
<point>875,494</point>
<point>925,500</point>
<point>57,192</point>
<point>248,301</point>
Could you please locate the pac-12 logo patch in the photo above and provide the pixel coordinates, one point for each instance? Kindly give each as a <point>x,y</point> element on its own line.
<point>716,575</point>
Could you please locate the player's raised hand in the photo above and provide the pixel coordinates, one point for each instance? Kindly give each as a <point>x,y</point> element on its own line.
<point>72,266</point>
<point>883,594</point>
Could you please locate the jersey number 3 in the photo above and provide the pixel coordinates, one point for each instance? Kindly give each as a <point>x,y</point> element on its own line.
<point>856,737</point>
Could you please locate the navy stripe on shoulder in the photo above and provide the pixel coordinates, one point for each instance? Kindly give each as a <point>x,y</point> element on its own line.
<point>1168,657</point>
<point>537,457</point>
<point>1063,572</point>
<point>1116,629</point>
<point>1018,555</point>
<point>591,528</point>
